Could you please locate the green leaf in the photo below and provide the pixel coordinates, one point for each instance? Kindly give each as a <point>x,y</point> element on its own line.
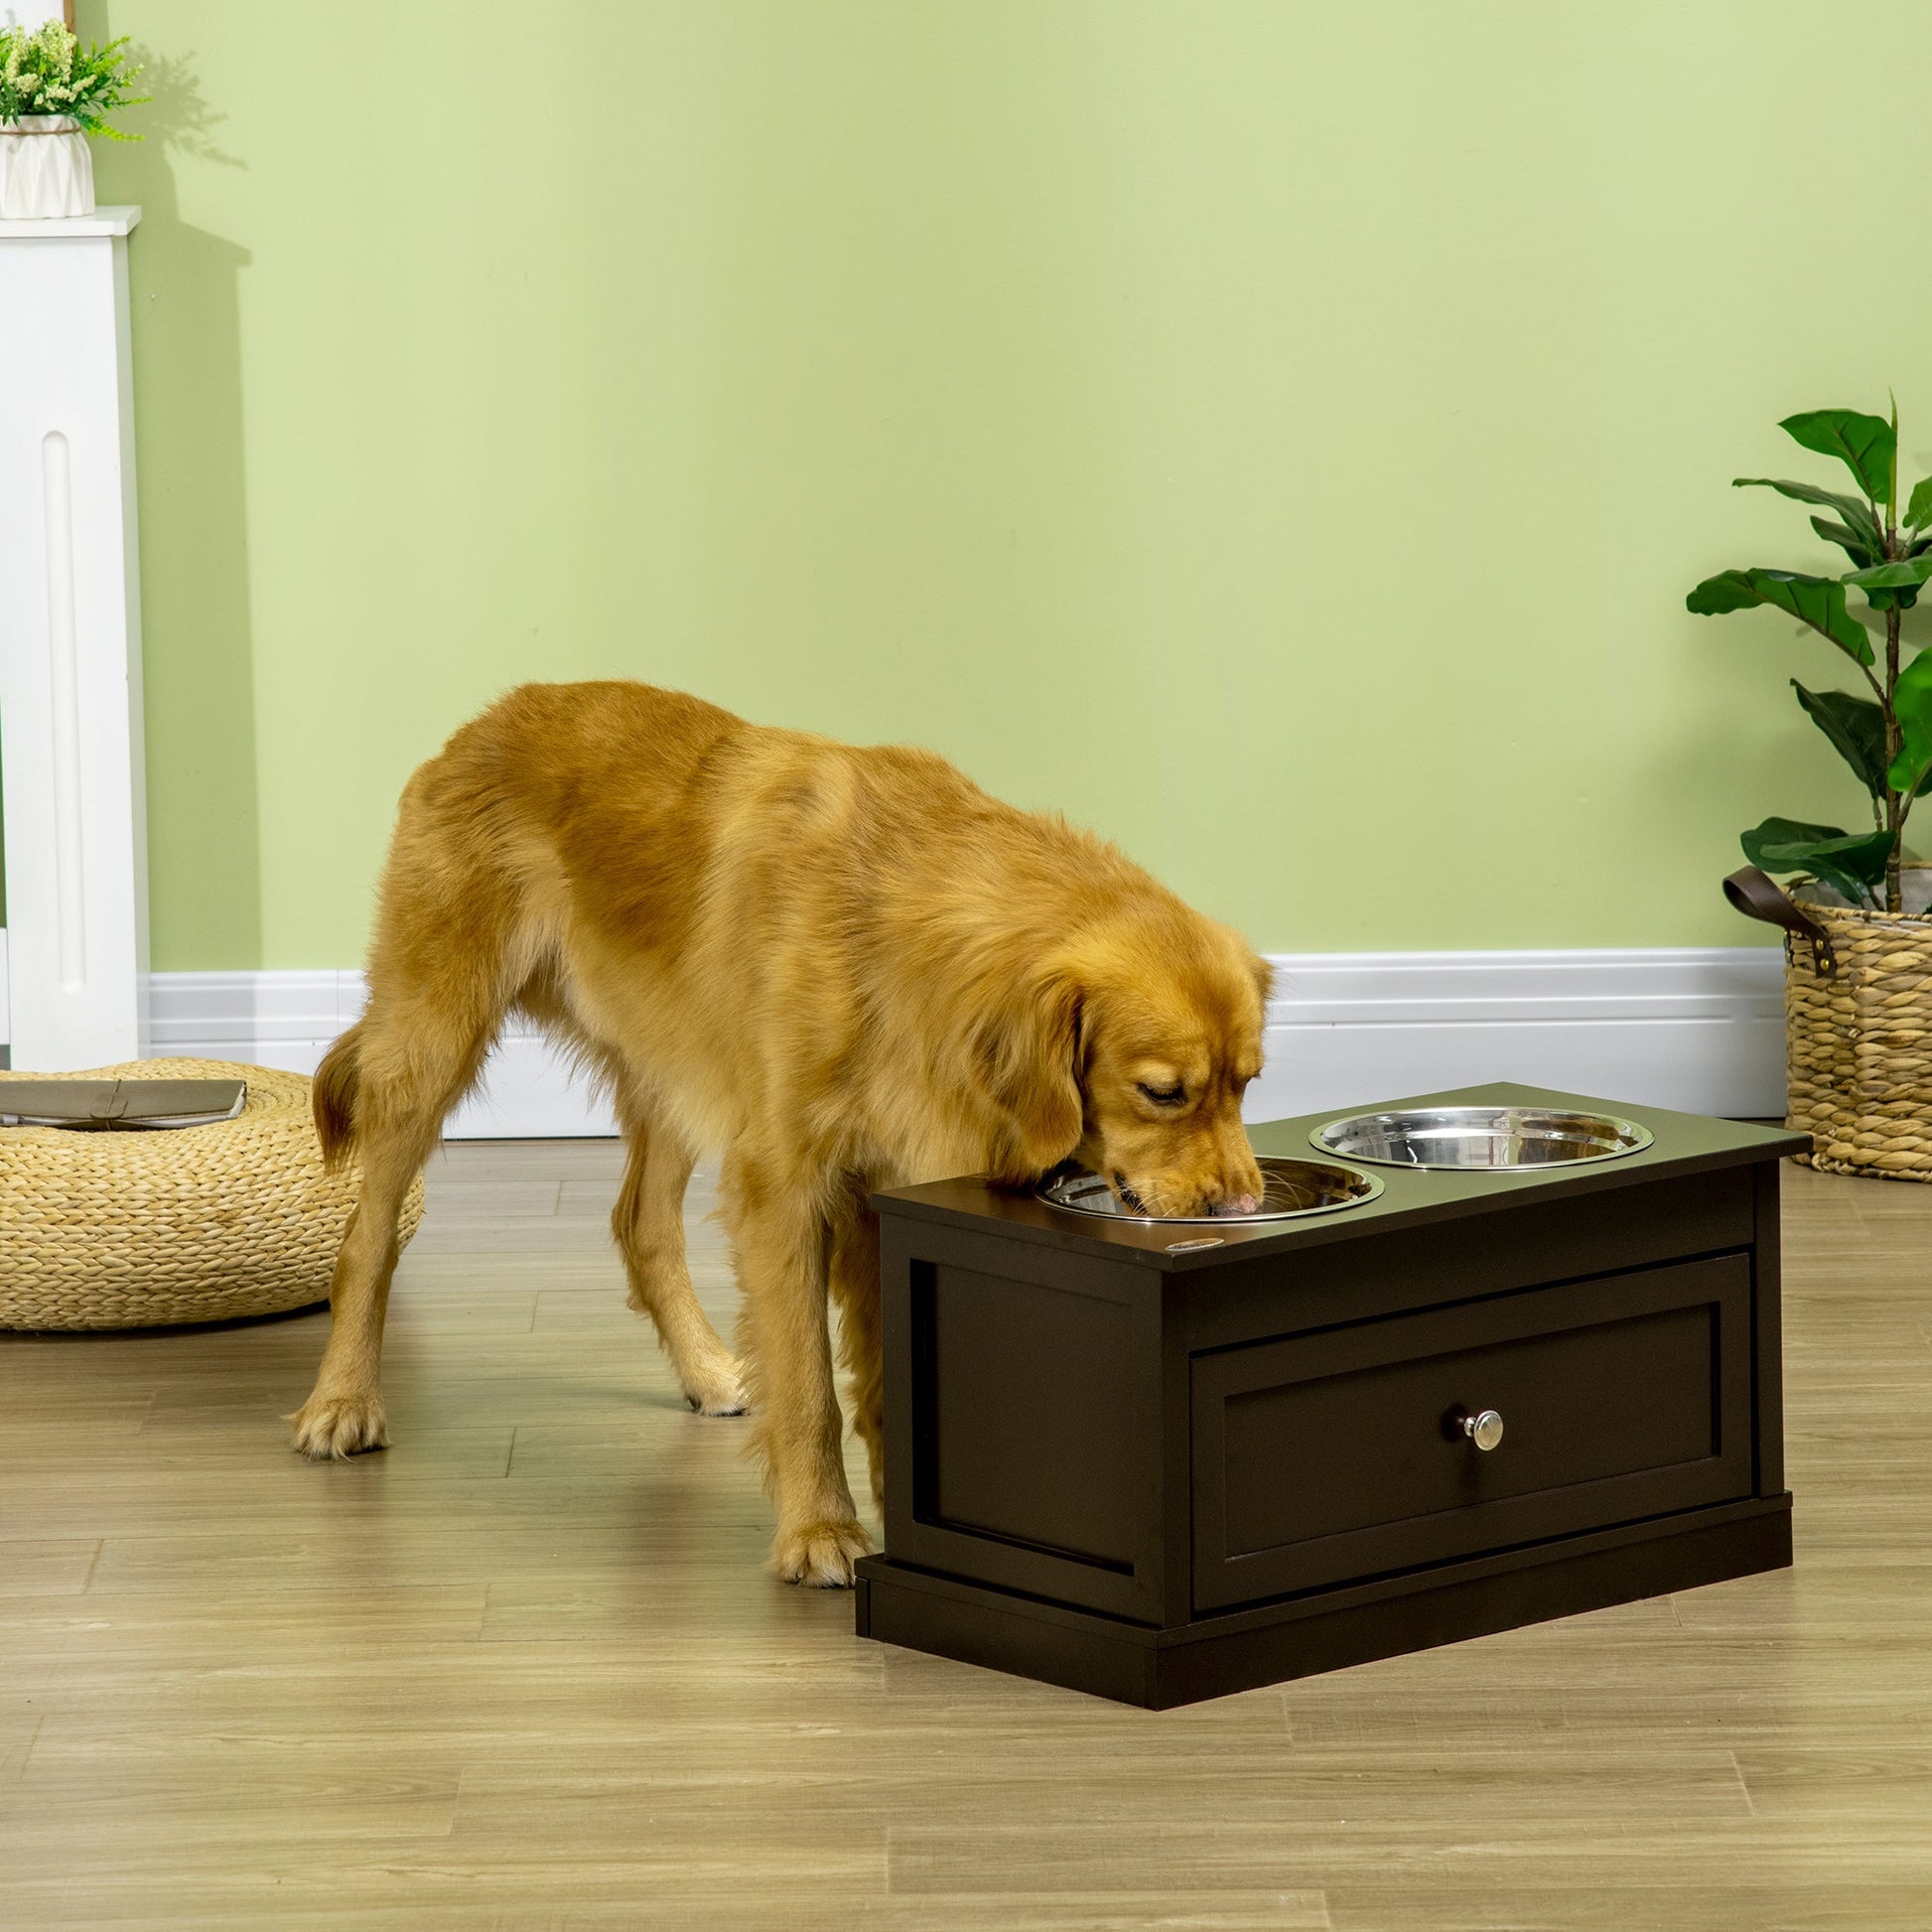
<point>1730,590</point>
<point>1919,512</point>
<point>1913,571</point>
<point>1836,533</point>
<point>1774,834</point>
<point>1816,600</point>
<point>1853,861</point>
<point>1896,583</point>
<point>1911,703</point>
<point>1855,513</point>
<point>1864,444</point>
<point>1857,729</point>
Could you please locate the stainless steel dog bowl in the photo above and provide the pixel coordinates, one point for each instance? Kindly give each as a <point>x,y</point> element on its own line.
<point>1481,1137</point>
<point>1290,1188</point>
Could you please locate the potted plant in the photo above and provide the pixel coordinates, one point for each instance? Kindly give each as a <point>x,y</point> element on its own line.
<point>1859,985</point>
<point>54,94</point>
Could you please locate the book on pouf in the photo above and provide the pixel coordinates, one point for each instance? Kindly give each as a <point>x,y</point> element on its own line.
<point>101,1105</point>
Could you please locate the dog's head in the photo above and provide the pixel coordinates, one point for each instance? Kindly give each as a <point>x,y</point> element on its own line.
<point>1128,1052</point>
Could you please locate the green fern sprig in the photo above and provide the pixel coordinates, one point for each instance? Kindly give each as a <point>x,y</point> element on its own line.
<point>46,70</point>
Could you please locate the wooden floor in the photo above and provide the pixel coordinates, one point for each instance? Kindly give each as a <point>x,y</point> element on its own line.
<point>524,1668</point>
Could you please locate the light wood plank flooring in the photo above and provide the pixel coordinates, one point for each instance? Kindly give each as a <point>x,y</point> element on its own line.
<point>525,1670</point>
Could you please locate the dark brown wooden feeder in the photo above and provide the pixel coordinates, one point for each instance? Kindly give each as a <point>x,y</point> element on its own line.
<point>1161,1461</point>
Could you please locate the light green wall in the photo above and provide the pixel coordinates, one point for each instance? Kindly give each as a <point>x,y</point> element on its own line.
<point>1278,434</point>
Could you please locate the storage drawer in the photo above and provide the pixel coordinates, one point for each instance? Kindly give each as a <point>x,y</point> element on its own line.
<point>1339,1453</point>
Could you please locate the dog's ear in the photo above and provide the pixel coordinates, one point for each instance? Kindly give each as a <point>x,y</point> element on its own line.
<point>1264,978</point>
<point>1029,1056</point>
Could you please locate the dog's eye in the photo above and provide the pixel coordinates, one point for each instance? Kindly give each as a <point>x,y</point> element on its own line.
<point>1165,1096</point>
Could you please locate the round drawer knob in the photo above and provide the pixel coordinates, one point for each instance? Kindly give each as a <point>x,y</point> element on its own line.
<point>1485,1431</point>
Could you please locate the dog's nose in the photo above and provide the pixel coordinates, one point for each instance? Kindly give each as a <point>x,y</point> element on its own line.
<point>1233,1204</point>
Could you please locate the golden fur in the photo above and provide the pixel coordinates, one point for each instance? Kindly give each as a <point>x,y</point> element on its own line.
<point>835,968</point>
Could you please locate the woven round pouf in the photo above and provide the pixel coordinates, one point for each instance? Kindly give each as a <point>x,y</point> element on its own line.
<point>136,1229</point>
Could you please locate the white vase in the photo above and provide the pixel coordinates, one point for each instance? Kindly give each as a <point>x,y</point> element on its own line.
<point>46,169</point>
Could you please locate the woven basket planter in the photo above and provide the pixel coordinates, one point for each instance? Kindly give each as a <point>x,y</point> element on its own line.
<point>133,1230</point>
<point>1858,1025</point>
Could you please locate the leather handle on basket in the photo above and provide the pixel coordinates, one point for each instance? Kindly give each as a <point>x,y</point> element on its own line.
<point>1759,896</point>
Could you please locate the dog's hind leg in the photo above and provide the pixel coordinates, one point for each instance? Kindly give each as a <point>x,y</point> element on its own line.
<point>409,1071</point>
<point>436,997</point>
<point>649,1223</point>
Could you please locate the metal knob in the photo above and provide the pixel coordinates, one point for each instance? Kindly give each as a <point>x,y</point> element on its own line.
<point>1485,1431</point>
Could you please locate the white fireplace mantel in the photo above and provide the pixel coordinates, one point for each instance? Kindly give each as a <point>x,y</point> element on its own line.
<point>71,739</point>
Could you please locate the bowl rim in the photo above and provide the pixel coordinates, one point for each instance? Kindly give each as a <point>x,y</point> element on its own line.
<point>1633,1137</point>
<point>1372,1188</point>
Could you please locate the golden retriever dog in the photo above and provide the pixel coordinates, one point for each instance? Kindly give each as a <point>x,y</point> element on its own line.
<point>833,969</point>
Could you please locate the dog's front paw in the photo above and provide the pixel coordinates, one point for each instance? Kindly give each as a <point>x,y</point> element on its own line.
<point>336,1428</point>
<point>820,1555</point>
<point>716,1388</point>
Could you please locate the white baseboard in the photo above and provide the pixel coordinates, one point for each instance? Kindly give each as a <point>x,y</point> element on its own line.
<point>286,1020</point>
<point>1701,1029</point>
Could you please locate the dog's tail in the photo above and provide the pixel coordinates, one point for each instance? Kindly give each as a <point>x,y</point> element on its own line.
<point>338,1082</point>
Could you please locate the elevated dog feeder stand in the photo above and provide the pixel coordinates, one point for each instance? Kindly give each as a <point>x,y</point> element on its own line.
<point>1127,1463</point>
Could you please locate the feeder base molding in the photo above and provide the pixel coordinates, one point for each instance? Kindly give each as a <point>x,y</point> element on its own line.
<point>1323,1630</point>
<point>1477,1397</point>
